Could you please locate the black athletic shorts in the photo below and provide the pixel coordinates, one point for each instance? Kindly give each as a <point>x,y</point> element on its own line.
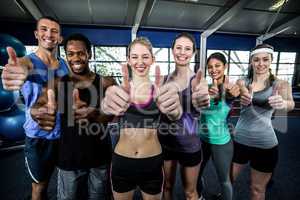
<point>184,159</point>
<point>263,160</point>
<point>129,173</point>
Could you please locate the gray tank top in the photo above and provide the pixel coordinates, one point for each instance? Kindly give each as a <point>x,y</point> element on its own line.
<point>254,127</point>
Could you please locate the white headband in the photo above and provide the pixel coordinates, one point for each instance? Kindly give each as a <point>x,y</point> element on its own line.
<point>262,50</point>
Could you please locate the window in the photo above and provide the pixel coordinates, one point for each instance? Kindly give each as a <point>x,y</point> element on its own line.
<point>238,69</point>
<point>62,52</point>
<point>238,64</point>
<point>108,60</point>
<point>112,54</point>
<point>286,65</point>
<point>275,57</point>
<point>31,49</point>
<point>162,60</point>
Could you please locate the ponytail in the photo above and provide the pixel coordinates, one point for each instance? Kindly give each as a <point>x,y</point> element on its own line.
<point>272,78</point>
<point>250,73</point>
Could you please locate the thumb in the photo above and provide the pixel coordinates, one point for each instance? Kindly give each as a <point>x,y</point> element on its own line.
<point>275,90</point>
<point>215,83</point>
<point>125,74</point>
<point>157,81</point>
<point>240,83</point>
<point>197,79</point>
<point>76,98</point>
<point>12,56</point>
<point>226,81</point>
<point>250,87</point>
<point>51,100</point>
<point>157,77</point>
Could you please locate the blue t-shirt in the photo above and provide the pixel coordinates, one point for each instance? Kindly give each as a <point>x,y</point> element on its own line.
<point>32,89</point>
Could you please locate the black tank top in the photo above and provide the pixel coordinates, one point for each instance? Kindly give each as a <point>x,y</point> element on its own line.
<point>144,115</point>
<point>87,145</point>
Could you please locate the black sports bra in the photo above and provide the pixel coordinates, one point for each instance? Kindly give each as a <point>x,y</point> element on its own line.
<point>144,115</point>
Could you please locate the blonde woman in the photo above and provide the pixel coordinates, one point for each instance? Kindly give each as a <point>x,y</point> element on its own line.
<point>137,158</point>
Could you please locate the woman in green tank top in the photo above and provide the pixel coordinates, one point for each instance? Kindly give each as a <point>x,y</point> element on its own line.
<point>213,127</point>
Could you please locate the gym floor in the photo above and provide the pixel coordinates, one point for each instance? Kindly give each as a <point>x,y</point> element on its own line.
<point>15,184</point>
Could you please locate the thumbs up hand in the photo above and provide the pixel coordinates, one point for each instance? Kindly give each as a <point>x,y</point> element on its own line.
<point>276,101</point>
<point>245,93</point>
<point>81,109</point>
<point>126,83</point>
<point>200,96</point>
<point>214,89</point>
<point>157,81</point>
<point>44,110</point>
<point>14,72</point>
<point>167,97</point>
<point>230,88</point>
<point>117,98</point>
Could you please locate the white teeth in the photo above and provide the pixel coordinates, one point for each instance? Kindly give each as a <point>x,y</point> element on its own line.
<point>76,66</point>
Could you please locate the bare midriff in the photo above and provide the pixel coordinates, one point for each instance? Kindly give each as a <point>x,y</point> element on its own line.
<point>138,143</point>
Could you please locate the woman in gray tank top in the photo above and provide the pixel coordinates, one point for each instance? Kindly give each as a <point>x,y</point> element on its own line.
<point>255,140</point>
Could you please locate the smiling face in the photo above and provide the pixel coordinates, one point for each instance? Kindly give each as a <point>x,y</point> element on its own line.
<point>216,68</point>
<point>261,63</point>
<point>183,51</point>
<point>48,34</point>
<point>140,59</point>
<point>77,56</point>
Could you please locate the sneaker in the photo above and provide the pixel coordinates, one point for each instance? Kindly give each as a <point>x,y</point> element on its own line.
<point>201,198</point>
<point>216,196</point>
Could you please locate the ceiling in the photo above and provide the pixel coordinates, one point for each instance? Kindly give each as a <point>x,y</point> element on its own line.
<point>225,16</point>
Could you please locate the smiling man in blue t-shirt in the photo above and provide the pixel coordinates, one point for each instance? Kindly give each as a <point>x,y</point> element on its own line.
<point>30,74</point>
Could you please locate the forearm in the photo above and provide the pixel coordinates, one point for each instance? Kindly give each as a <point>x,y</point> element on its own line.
<point>288,105</point>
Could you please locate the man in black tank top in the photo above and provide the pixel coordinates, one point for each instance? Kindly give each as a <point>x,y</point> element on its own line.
<point>84,146</point>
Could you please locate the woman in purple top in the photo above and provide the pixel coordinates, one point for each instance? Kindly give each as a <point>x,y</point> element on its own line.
<point>178,139</point>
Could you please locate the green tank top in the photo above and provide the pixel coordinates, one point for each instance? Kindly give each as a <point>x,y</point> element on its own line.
<point>213,126</point>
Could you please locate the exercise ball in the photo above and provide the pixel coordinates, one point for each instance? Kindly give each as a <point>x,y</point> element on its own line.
<point>8,40</point>
<point>7,98</point>
<point>11,123</point>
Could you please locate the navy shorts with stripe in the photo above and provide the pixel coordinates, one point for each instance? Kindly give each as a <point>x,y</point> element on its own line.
<point>40,158</point>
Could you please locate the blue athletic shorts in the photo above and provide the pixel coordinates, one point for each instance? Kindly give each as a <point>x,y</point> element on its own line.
<point>40,158</point>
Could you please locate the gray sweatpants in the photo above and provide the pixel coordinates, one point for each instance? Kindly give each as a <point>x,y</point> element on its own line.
<point>221,158</point>
<point>85,184</point>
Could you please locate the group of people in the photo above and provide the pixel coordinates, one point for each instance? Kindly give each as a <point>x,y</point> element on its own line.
<point>176,119</point>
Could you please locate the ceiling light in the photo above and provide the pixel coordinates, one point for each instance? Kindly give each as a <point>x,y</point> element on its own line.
<point>193,1</point>
<point>277,4</point>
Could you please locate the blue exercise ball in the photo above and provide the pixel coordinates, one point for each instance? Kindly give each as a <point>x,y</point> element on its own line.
<point>7,98</point>
<point>8,40</point>
<point>12,122</point>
